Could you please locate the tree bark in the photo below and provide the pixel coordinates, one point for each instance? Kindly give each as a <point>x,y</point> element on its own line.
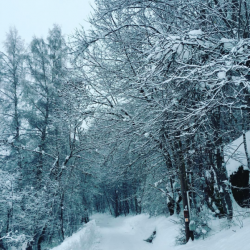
<point>183,182</point>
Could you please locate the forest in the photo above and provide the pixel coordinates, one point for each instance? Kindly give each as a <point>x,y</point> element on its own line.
<point>129,117</point>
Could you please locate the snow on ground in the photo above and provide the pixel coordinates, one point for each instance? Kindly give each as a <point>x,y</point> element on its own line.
<point>104,232</point>
<point>129,232</point>
<point>85,239</point>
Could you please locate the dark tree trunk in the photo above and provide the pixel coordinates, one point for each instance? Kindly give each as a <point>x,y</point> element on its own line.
<point>116,204</point>
<point>183,182</point>
<point>220,169</point>
<point>41,238</point>
<point>240,189</point>
<point>61,215</point>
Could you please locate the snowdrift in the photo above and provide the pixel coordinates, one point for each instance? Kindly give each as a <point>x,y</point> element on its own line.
<point>85,238</point>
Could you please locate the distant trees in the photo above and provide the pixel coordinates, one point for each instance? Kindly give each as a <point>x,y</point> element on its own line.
<point>12,77</point>
<point>13,73</point>
<point>42,143</point>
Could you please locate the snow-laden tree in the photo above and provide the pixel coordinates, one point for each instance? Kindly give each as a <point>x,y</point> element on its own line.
<point>178,68</point>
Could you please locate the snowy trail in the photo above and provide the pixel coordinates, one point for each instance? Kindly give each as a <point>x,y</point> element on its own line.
<point>128,233</point>
<point>104,232</point>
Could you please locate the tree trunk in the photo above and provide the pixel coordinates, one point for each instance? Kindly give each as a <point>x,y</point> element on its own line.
<point>220,169</point>
<point>41,238</point>
<point>61,215</point>
<point>184,188</point>
<point>245,147</point>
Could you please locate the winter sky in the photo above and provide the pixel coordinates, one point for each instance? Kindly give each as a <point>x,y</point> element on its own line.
<point>36,17</point>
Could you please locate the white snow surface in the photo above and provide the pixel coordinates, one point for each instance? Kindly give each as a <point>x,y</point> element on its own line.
<point>85,239</point>
<point>235,156</point>
<point>195,33</point>
<point>221,75</point>
<point>104,232</point>
<point>228,43</point>
<point>226,40</point>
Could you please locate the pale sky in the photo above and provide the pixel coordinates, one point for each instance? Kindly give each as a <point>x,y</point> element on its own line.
<point>36,17</point>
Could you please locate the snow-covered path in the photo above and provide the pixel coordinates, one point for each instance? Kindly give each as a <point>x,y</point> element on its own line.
<point>104,232</point>
<point>128,233</point>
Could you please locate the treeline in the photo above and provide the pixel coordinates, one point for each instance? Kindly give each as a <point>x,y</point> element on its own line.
<point>125,118</point>
<point>44,160</point>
